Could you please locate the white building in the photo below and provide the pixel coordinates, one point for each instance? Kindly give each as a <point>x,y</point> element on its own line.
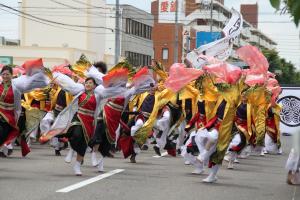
<point>60,31</point>
<point>198,24</point>
<point>77,30</point>
<point>200,20</point>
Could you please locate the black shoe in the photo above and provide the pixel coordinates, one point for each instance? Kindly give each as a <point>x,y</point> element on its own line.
<point>110,155</point>
<point>132,158</point>
<point>159,134</point>
<point>145,147</point>
<point>57,153</point>
<point>178,151</point>
<point>153,142</point>
<point>157,150</point>
<point>65,145</point>
<point>2,155</point>
<point>10,151</point>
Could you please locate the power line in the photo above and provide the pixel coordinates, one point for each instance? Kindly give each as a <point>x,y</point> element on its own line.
<point>53,22</point>
<point>50,24</point>
<point>71,29</point>
<point>147,19</point>
<point>75,8</point>
<point>92,6</point>
<point>59,8</point>
<point>81,9</point>
<point>132,36</point>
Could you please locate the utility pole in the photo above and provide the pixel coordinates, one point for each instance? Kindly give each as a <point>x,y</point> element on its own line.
<point>117,32</point>
<point>176,34</point>
<point>211,14</point>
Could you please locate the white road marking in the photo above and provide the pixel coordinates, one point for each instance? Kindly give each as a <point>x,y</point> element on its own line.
<point>293,198</point>
<point>89,181</point>
<point>162,155</point>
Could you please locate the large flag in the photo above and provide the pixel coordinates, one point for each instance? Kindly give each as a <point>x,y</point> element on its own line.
<point>221,48</point>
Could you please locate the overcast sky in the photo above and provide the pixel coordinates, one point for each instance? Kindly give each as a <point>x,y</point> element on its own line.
<point>276,26</point>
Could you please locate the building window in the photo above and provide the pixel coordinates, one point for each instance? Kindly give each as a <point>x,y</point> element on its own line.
<point>165,53</point>
<point>127,25</point>
<point>138,29</point>
<point>144,31</point>
<point>137,59</point>
<point>131,27</point>
<point>150,32</point>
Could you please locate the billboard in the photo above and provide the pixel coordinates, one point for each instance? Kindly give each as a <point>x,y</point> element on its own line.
<point>167,11</point>
<point>206,37</point>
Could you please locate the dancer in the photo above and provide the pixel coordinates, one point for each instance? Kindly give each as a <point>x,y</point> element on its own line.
<point>59,101</point>
<point>80,117</point>
<point>10,99</point>
<point>293,162</point>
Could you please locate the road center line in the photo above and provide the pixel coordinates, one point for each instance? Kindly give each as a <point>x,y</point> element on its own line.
<point>162,155</point>
<point>89,181</point>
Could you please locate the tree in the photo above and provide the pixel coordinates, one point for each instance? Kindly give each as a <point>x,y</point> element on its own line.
<point>288,73</point>
<point>290,6</point>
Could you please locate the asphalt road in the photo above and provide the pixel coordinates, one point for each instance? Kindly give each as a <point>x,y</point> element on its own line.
<point>41,175</point>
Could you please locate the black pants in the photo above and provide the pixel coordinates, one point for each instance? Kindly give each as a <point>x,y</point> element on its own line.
<point>77,140</point>
<point>243,142</point>
<point>5,129</point>
<point>100,138</point>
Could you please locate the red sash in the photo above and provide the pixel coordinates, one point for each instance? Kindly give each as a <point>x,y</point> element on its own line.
<point>86,109</point>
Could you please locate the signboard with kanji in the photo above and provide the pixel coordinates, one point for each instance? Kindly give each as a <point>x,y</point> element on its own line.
<point>167,11</point>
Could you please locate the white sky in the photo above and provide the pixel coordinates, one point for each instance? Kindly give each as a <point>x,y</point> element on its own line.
<point>276,26</point>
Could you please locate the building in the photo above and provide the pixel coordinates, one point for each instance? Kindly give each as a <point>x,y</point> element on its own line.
<point>51,55</point>
<point>197,27</point>
<point>80,28</point>
<point>136,35</point>
<point>5,58</point>
<point>9,42</point>
<point>250,13</point>
<point>60,31</point>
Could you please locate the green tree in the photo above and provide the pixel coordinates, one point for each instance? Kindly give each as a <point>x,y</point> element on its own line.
<point>290,6</point>
<point>286,72</point>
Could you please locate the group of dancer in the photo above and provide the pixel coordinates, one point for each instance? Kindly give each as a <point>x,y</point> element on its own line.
<point>205,110</point>
<point>202,114</point>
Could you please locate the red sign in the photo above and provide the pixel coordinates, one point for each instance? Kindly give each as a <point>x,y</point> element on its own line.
<point>164,6</point>
<point>173,6</point>
<point>168,6</point>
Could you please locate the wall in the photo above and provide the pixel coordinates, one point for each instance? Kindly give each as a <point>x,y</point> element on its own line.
<point>36,34</point>
<point>250,13</point>
<point>135,43</point>
<point>51,55</point>
<point>109,51</point>
<point>96,42</point>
